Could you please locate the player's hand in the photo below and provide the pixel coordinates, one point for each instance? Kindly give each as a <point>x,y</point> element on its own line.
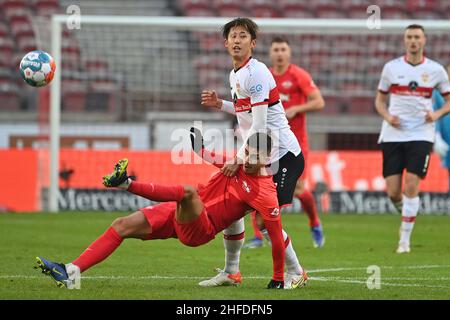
<point>290,113</point>
<point>394,121</point>
<point>230,170</point>
<point>210,99</point>
<point>196,140</point>
<point>440,146</point>
<point>430,116</point>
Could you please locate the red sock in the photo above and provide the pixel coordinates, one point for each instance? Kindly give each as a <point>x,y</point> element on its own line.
<point>309,205</point>
<point>99,250</point>
<point>256,230</point>
<point>157,192</point>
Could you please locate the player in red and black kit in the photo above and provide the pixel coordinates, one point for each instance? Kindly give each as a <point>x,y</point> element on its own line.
<point>194,216</point>
<point>299,96</point>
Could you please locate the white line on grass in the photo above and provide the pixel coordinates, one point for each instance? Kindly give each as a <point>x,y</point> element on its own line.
<point>353,280</point>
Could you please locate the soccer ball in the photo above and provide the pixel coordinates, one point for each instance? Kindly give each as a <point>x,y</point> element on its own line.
<point>37,68</point>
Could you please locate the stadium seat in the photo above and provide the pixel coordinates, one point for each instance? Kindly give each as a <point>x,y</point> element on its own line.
<point>22,29</point>
<point>200,12</point>
<point>263,12</point>
<point>194,4</point>
<point>232,12</point>
<point>74,95</point>
<point>287,6</point>
<point>327,5</point>
<point>14,4</point>
<point>46,7</point>
<point>330,14</point>
<point>297,13</point>
<point>27,44</point>
<point>6,50</point>
<point>9,97</point>
<point>101,96</point>
<point>414,6</point>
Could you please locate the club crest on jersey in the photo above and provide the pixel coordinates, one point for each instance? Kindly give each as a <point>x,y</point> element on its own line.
<point>275,212</point>
<point>238,88</point>
<point>425,77</point>
<point>246,187</point>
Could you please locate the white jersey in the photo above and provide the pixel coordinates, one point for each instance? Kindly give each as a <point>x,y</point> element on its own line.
<point>253,85</point>
<point>411,88</point>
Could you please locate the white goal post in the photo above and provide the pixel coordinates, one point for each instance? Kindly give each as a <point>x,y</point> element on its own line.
<point>212,24</point>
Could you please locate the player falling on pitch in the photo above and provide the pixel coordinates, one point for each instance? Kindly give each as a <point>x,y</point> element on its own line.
<point>193,216</point>
<point>408,132</point>
<point>299,95</point>
<point>257,105</point>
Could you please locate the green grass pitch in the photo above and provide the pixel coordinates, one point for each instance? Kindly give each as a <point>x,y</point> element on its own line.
<point>166,269</point>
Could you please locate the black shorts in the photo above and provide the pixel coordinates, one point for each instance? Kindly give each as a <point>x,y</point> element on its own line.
<point>286,171</point>
<point>414,156</point>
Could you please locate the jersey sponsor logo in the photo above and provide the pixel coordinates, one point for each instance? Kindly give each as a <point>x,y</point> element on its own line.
<point>287,84</point>
<point>413,85</point>
<point>275,212</point>
<point>256,88</point>
<point>246,187</point>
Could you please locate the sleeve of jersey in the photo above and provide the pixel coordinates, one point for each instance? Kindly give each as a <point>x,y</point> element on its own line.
<point>228,107</point>
<point>385,81</point>
<point>305,81</point>
<point>443,84</point>
<point>258,85</point>
<point>274,229</point>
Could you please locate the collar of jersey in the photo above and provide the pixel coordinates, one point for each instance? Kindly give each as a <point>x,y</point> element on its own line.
<point>414,65</point>
<point>243,65</point>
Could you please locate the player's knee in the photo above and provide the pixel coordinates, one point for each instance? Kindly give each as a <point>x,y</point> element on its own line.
<point>122,227</point>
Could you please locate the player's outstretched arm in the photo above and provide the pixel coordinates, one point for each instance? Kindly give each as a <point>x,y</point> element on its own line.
<point>198,146</point>
<point>210,99</point>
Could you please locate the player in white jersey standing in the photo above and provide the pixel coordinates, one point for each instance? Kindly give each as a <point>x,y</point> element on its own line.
<point>257,106</point>
<point>407,132</point>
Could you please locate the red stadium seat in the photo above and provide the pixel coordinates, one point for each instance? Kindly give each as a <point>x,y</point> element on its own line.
<point>22,29</point>
<point>327,5</point>
<point>200,12</point>
<point>330,14</point>
<point>297,5</point>
<point>27,44</point>
<point>232,12</point>
<point>9,96</point>
<point>395,13</point>
<point>297,13</point>
<point>194,4</point>
<point>422,5</point>
<point>13,4</point>
<point>74,95</point>
<point>263,12</point>
<point>235,4</point>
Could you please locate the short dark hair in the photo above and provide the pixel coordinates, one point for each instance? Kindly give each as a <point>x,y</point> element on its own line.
<point>415,26</point>
<point>279,39</point>
<point>261,141</point>
<point>247,23</point>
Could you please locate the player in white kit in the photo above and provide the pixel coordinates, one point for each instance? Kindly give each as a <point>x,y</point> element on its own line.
<point>408,129</point>
<point>257,106</point>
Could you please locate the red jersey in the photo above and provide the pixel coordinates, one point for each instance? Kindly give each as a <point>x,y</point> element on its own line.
<point>228,199</point>
<point>294,86</point>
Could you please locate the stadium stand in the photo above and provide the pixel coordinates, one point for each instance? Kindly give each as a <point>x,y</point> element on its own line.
<point>113,83</point>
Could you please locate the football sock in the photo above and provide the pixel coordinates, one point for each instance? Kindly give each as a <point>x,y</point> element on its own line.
<point>233,239</point>
<point>291,261</point>
<point>409,213</point>
<point>256,231</point>
<point>157,192</point>
<point>99,250</point>
<point>309,205</point>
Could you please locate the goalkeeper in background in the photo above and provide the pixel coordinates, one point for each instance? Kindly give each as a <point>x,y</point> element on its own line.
<point>442,141</point>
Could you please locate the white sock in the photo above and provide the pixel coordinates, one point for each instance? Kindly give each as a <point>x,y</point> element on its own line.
<point>290,259</point>
<point>125,185</point>
<point>233,246</point>
<point>409,213</point>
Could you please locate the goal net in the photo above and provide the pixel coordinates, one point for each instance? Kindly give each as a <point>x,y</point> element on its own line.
<point>124,84</point>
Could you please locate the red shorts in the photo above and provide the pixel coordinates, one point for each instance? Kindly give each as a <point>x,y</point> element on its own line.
<point>164,225</point>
